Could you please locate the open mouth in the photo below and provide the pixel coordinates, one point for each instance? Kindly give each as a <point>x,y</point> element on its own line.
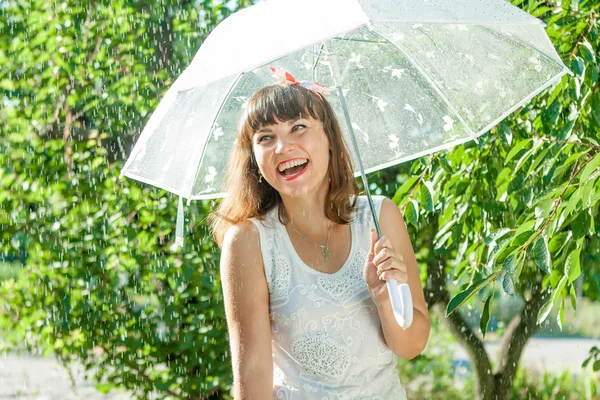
<point>293,172</point>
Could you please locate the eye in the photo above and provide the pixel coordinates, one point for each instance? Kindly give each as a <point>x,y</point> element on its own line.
<point>260,139</point>
<point>299,126</point>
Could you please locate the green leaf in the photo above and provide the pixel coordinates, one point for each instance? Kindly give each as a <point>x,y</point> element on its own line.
<point>572,203</point>
<point>466,294</point>
<point>596,366</point>
<point>560,286</point>
<point>516,149</point>
<point>577,66</point>
<point>427,196</point>
<point>581,224</point>
<point>541,255</point>
<point>525,227</point>
<point>587,51</point>
<point>508,284</point>
<point>595,107</point>
<point>538,159</point>
<point>498,233</point>
<point>485,316</point>
<point>587,193</point>
<point>402,190</point>
<point>544,311</point>
<point>509,264</point>
<point>590,168</point>
<point>411,212</point>
<point>573,268</point>
<point>505,133</point>
<point>561,315</point>
<point>551,114</point>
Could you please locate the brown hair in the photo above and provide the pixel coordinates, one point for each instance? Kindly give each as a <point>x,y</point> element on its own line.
<point>246,196</point>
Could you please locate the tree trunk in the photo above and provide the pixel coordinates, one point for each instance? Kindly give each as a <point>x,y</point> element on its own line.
<point>491,383</point>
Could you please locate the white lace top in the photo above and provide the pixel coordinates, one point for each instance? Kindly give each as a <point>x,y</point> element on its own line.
<point>326,337</point>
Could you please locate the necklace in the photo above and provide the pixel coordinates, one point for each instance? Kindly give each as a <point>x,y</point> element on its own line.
<point>324,247</point>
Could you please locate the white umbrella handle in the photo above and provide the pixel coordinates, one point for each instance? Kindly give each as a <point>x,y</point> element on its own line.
<point>400,297</point>
<point>401,303</point>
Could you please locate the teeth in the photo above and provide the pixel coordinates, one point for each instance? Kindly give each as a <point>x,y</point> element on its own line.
<point>291,164</point>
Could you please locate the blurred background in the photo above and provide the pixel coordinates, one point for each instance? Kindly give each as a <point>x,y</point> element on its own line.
<point>96,302</point>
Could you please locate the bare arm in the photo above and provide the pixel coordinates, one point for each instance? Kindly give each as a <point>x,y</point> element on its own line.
<point>411,342</point>
<point>246,298</point>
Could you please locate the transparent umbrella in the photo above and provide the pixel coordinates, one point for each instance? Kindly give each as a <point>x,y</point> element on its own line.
<point>411,78</point>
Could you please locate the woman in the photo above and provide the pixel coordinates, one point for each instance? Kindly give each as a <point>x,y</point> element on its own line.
<point>303,273</point>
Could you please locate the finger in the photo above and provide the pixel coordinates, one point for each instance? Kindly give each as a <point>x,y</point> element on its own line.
<point>391,264</point>
<point>383,242</point>
<point>383,255</point>
<point>395,274</point>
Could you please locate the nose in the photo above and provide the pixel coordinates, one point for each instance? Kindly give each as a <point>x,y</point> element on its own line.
<point>284,145</point>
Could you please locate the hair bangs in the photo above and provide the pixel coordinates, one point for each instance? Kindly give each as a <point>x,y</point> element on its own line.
<point>279,102</point>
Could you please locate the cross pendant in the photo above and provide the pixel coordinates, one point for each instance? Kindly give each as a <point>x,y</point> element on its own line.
<point>326,254</point>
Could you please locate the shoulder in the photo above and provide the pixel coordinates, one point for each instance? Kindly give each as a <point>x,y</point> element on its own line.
<point>241,245</point>
<point>391,219</point>
<point>389,208</point>
<point>241,257</point>
<point>242,235</point>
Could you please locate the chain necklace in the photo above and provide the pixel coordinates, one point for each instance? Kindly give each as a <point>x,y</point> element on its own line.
<point>324,247</point>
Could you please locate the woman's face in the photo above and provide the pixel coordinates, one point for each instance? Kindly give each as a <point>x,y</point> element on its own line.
<point>279,147</point>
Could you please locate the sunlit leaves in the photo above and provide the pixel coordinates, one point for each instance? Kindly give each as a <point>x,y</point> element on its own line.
<point>102,285</point>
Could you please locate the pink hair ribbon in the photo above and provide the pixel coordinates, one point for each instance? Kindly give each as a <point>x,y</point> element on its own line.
<point>285,78</point>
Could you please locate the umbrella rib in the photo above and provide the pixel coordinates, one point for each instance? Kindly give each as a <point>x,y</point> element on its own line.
<point>210,131</point>
<point>433,85</point>
<point>361,40</point>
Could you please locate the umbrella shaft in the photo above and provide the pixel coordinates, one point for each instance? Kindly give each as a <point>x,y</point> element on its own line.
<point>360,165</point>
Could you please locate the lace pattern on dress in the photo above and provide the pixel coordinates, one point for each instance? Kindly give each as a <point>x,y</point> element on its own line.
<point>322,357</point>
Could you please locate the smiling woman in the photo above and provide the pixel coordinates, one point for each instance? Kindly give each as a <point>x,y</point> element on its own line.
<point>278,119</point>
<point>303,278</point>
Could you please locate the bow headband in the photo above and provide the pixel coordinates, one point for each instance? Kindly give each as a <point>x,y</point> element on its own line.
<point>285,78</point>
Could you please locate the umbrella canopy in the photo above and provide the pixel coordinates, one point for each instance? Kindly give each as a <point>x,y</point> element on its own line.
<point>417,78</point>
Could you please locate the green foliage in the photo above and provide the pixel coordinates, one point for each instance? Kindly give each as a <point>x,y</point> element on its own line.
<point>101,282</point>
<point>521,205</point>
<point>529,385</point>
